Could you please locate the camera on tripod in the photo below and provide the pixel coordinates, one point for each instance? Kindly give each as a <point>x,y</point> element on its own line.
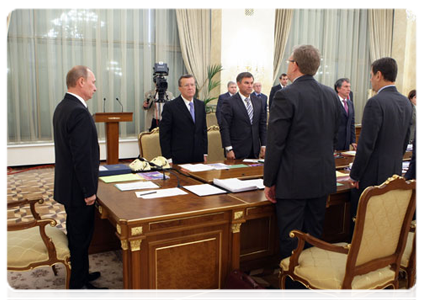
<point>160,71</point>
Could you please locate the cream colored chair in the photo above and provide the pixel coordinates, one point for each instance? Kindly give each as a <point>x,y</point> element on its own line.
<point>149,144</point>
<point>34,244</point>
<point>211,120</point>
<point>408,260</point>
<point>372,260</point>
<point>215,150</point>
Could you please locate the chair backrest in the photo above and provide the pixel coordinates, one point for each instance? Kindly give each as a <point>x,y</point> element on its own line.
<point>215,150</point>
<point>149,144</point>
<point>383,220</point>
<point>211,119</point>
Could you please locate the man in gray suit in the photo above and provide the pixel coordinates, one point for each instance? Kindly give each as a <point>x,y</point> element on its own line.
<point>385,130</point>
<point>299,171</point>
<point>243,122</point>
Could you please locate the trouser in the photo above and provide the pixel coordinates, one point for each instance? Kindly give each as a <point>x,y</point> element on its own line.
<point>80,229</point>
<point>306,215</point>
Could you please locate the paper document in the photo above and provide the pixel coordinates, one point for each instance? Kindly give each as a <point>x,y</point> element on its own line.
<point>348,153</point>
<point>139,185</point>
<point>219,166</point>
<point>120,178</point>
<point>161,193</point>
<point>257,182</point>
<point>204,189</point>
<point>235,185</point>
<point>196,167</point>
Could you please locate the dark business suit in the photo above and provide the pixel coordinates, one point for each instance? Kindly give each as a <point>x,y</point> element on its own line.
<point>346,131</point>
<point>273,91</point>
<point>76,178</point>
<point>303,125</point>
<point>180,138</point>
<point>220,100</point>
<point>383,140</point>
<point>263,98</point>
<point>237,131</point>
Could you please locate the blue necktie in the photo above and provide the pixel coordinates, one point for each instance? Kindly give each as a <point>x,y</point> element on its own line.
<point>191,110</point>
<point>249,109</point>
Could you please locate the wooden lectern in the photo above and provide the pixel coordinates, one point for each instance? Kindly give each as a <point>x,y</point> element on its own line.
<point>112,132</point>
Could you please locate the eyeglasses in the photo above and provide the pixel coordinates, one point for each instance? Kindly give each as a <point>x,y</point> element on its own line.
<point>290,60</point>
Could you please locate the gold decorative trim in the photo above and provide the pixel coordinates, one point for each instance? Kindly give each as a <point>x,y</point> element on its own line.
<point>100,210</point>
<point>236,228</point>
<point>135,245</point>
<point>136,231</point>
<point>124,245</point>
<point>238,215</point>
<point>118,229</point>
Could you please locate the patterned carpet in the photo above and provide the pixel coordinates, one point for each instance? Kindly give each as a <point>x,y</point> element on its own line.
<point>41,284</point>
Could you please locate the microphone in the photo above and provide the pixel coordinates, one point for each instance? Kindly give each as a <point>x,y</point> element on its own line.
<point>104,105</point>
<point>117,99</point>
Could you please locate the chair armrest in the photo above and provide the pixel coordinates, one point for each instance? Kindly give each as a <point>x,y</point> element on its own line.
<point>305,237</point>
<point>31,203</point>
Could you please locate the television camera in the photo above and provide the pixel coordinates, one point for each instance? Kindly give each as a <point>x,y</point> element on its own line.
<point>160,71</point>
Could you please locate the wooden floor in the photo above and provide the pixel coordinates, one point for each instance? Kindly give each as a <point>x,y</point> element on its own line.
<point>39,183</point>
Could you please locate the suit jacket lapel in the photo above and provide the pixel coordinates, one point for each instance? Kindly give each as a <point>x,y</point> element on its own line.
<point>242,107</point>
<point>184,109</point>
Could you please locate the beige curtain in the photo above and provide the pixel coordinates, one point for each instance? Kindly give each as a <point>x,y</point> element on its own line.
<point>7,16</point>
<point>380,30</point>
<point>194,28</point>
<point>283,20</point>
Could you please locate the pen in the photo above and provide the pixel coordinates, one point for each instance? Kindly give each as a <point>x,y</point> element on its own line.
<point>148,193</point>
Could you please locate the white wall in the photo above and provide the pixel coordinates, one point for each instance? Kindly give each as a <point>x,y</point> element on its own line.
<point>39,154</point>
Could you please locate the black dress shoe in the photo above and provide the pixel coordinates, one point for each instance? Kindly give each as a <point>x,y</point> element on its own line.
<point>93,276</point>
<point>88,290</point>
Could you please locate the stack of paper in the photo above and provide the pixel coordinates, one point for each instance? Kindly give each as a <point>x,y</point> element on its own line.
<point>235,185</point>
<point>196,167</point>
<point>204,189</point>
<point>139,185</point>
<point>348,153</point>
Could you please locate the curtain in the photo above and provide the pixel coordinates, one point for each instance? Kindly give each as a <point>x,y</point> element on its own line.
<point>381,28</point>
<point>283,18</point>
<point>194,27</point>
<point>119,45</point>
<point>342,37</point>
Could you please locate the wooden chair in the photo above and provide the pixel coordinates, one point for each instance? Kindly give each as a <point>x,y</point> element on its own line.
<point>215,150</point>
<point>372,260</point>
<point>408,260</point>
<point>34,244</point>
<point>149,144</point>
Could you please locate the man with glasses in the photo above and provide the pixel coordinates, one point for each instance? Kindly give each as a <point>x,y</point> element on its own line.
<point>299,171</point>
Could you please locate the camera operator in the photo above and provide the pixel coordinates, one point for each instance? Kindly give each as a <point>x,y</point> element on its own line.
<point>156,98</point>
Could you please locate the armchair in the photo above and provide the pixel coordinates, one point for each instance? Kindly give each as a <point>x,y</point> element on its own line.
<point>34,244</point>
<point>372,260</point>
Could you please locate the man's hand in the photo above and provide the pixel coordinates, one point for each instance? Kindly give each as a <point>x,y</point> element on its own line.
<point>230,155</point>
<point>90,200</point>
<point>354,145</point>
<point>353,183</point>
<point>262,152</point>
<point>269,192</point>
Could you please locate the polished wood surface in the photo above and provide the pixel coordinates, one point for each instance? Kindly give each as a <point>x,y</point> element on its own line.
<point>112,132</point>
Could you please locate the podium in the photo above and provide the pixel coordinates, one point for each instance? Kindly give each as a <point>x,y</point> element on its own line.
<point>112,132</point>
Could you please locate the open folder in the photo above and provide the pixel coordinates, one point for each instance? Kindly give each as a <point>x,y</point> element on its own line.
<point>235,185</point>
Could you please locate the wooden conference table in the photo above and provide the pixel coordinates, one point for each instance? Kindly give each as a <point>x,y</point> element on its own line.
<point>189,242</point>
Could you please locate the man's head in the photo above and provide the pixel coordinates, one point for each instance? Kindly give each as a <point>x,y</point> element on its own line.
<point>305,60</point>
<point>81,81</point>
<point>232,87</point>
<point>245,82</point>
<point>283,79</point>
<point>383,72</point>
<point>343,87</point>
<point>186,85</point>
<point>257,87</point>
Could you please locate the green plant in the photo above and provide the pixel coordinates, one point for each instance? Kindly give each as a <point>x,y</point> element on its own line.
<point>210,83</point>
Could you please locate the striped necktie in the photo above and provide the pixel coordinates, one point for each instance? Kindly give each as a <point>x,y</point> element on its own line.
<point>249,109</point>
<point>191,110</point>
<point>345,106</point>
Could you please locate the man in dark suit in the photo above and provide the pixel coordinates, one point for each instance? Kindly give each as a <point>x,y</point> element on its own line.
<point>384,133</point>
<point>243,125</point>
<point>283,79</point>
<point>231,91</point>
<point>346,131</point>
<point>257,92</point>
<point>76,170</point>
<point>299,171</point>
<point>183,129</point>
